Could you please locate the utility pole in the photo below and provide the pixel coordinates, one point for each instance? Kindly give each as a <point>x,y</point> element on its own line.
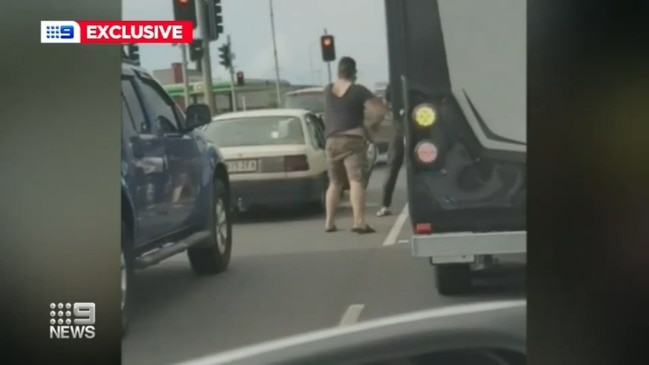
<point>328,63</point>
<point>183,50</point>
<point>207,62</point>
<point>231,69</point>
<point>272,26</point>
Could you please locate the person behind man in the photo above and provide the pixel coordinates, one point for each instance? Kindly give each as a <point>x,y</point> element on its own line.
<point>347,106</point>
<point>395,160</point>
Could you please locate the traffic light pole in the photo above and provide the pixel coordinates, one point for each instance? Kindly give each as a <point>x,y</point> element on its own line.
<point>232,91</point>
<point>183,50</point>
<point>207,62</point>
<point>272,28</point>
<point>328,63</point>
<point>231,69</point>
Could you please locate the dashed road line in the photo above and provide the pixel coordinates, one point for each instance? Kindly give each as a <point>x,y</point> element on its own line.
<point>392,236</point>
<point>351,315</point>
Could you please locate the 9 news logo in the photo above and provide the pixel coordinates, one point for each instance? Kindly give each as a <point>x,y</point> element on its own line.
<point>60,32</point>
<point>72,320</point>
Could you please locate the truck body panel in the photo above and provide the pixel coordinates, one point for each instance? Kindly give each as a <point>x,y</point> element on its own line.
<point>458,83</point>
<point>448,54</point>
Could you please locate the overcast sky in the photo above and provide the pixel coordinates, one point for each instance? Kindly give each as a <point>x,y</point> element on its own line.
<point>298,25</point>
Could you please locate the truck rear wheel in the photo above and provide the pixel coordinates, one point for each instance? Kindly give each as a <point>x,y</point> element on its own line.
<point>453,279</point>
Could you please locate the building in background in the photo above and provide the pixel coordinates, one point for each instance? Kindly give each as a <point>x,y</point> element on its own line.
<point>253,94</point>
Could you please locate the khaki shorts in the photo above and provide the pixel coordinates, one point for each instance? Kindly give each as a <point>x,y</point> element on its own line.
<point>346,159</point>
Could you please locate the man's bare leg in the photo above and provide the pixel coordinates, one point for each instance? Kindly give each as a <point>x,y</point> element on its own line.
<point>357,199</point>
<point>331,203</point>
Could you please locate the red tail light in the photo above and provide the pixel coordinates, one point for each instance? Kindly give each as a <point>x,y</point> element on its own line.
<point>296,163</point>
<point>423,228</point>
<point>426,152</point>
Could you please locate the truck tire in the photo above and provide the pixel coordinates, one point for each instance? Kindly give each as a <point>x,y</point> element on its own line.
<point>214,256</point>
<point>453,279</point>
<point>127,274</point>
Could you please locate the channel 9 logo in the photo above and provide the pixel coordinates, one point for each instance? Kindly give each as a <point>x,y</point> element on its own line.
<point>60,32</point>
<point>72,320</point>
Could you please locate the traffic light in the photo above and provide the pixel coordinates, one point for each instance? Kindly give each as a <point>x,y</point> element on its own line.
<point>240,78</point>
<point>196,50</point>
<point>185,10</point>
<point>218,17</point>
<point>224,55</point>
<point>328,48</point>
<point>213,18</point>
<point>133,52</point>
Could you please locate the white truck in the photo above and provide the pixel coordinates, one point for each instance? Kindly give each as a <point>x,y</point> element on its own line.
<point>458,76</point>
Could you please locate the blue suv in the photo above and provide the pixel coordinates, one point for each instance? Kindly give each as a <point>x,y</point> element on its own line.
<point>175,185</point>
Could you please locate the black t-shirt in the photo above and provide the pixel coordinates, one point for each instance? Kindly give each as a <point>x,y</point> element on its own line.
<point>347,111</point>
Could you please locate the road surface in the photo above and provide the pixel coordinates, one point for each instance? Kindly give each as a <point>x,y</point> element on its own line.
<point>287,277</point>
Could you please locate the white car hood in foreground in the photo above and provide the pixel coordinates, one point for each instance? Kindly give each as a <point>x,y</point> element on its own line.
<point>450,311</point>
<point>233,153</point>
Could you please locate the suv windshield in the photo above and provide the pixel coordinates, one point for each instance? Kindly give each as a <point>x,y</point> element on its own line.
<point>312,101</point>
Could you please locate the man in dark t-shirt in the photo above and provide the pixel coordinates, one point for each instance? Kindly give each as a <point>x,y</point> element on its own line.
<point>347,106</point>
<point>396,152</point>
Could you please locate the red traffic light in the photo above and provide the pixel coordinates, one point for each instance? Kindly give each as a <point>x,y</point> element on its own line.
<point>240,78</point>
<point>185,10</point>
<point>327,41</point>
<point>328,47</point>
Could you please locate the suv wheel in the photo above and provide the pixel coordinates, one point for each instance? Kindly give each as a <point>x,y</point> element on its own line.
<point>215,256</point>
<point>127,272</point>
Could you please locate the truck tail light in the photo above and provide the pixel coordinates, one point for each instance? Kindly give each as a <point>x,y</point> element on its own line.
<point>426,152</point>
<point>424,115</point>
<point>296,163</point>
<point>423,228</point>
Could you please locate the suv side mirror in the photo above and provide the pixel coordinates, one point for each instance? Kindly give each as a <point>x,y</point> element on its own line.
<point>197,115</point>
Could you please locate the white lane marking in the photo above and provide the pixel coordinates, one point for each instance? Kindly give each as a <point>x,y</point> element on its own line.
<point>403,242</point>
<point>351,315</point>
<point>391,239</point>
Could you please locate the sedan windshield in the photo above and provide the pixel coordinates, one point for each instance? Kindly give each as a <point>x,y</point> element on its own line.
<point>312,101</point>
<point>256,131</point>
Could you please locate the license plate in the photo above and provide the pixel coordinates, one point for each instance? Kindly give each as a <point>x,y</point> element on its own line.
<point>242,166</point>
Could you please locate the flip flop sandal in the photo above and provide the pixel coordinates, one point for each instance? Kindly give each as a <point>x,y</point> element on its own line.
<point>363,230</point>
<point>331,229</point>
